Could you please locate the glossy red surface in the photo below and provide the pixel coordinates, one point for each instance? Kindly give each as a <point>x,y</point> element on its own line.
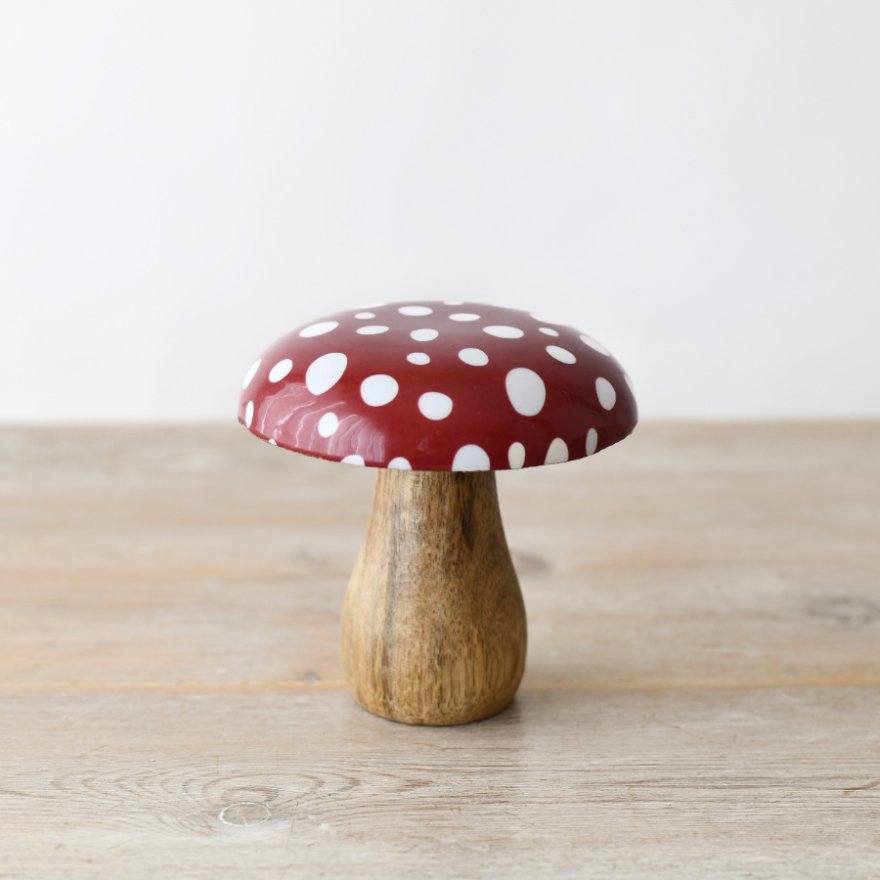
<point>438,386</point>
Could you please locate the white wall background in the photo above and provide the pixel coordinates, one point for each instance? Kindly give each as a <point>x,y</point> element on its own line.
<point>697,184</point>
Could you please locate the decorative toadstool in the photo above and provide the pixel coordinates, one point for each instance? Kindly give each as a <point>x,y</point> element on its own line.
<point>438,395</point>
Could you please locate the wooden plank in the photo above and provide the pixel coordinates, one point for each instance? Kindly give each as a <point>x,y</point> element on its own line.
<point>702,694</point>
<point>757,783</point>
<point>687,556</point>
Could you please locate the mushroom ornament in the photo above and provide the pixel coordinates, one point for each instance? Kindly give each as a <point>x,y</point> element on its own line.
<point>438,395</point>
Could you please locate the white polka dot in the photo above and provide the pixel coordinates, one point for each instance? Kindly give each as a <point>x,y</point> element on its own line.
<point>325,372</point>
<point>272,441</point>
<point>372,329</point>
<point>476,357</point>
<point>561,354</point>
<point>249,413</point>
<point>327,424</point>
<point>452,302</point>
<point>629,383</point>
<point>415,311</point>
<point>353,459</point>
<point>592,440</point>
<point>471,458</point>
<point>400,464</point>
<point>434,405</point>
<point>557,452</point>
<point>319,329</point>
<point>605,391</point>
<point>503,331</point>
<point>516,455</point>
<point>424,335</point>
<point>280,370</point>
<point>379,389</point>
<point>364,316</point>
<point>464,316</point>
<point>548,331</point>
<point>251,373</point>
<point>419,358</point>
<point>588,340</point>
<point>526,391</point>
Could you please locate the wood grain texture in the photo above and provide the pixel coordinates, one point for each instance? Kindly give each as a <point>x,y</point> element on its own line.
<point>701,699</point>
<point>433,624</point>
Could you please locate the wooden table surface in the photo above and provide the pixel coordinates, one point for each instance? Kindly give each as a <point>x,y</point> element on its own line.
<point>702,694</point>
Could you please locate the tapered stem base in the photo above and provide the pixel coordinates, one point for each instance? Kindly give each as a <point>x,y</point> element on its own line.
<point>434,627</point>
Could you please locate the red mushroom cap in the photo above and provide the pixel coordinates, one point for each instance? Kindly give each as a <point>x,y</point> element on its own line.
<point>438,386</point>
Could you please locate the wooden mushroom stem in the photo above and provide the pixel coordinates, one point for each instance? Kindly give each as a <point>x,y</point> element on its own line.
<point>434,627</point>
